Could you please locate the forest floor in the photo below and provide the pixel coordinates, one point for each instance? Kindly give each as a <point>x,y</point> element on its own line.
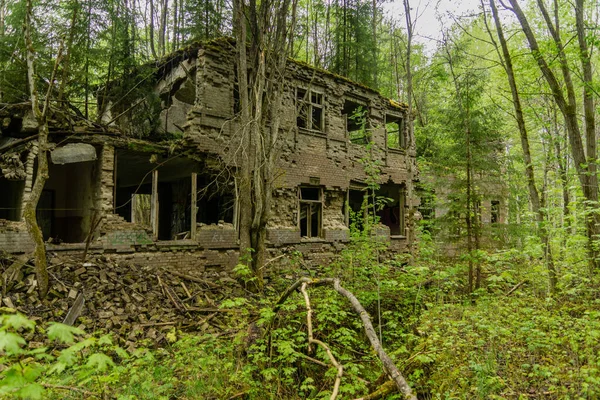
<point>148,334</point>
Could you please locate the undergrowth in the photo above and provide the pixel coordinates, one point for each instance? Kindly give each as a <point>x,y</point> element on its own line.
<point>507,340</point>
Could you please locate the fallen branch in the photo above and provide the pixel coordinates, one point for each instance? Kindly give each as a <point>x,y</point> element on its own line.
<point>387,362</point>
<point>11,272</point>
<point>518,285</point>
<point>312,340</point>
<point>388,365</point>
<point>381,392</point>
<point>295,286</point>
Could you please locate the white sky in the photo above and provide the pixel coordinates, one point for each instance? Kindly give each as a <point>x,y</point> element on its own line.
<point>433,15</point>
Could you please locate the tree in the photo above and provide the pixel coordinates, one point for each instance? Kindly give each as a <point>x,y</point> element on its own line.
<point>261,62</point>
<point>585,159</point>
<point>534,197</point>
<point>41,116</point>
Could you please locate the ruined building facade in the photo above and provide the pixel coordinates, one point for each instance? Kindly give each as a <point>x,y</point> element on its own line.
<point>115,189</point>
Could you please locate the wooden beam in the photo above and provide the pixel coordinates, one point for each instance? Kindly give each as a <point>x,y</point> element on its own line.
<point>194,205</point>
<point>154,205</point>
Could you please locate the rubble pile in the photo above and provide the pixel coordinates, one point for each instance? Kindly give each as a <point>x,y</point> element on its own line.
<point>135,302</point>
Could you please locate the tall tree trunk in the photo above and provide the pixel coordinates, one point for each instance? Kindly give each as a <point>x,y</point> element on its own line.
<point>67,58</point>
<point>2,30</point>
<point>568,108</point>
<point>29,210</point>
<point>261,63</point>
<point>151,40</point>
<point>175,26</point>
<point>162,33</point>
<point>374,41</point>
<point>534,196</point>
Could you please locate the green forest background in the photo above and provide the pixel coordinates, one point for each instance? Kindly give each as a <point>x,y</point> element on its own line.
<point>509,92</point>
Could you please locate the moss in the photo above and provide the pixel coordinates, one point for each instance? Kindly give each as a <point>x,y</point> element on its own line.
<point>145,147</point>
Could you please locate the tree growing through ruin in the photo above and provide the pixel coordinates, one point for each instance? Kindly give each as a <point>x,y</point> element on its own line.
<point>41,116</point>
<point>262,31</point>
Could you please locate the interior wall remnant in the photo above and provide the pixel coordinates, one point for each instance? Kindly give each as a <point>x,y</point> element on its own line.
<point>11,199</point>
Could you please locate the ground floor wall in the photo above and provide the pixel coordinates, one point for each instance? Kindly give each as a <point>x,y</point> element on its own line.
<point>87,214</point>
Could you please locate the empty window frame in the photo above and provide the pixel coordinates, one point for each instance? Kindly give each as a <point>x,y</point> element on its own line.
<point>393,207</point>
<point>310,111</point>
<point>495,212</point>
<point>310,205</point>
<point>394,131</point>
<point>355,117</point>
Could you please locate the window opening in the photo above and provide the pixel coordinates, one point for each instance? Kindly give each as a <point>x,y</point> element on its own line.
<point>355,116</point>
<point>311,211</point>
<point>356,208</point>
<point>495,212</point>
<point>394,129</point>
<point>309,110</point>
<point>391,214</point>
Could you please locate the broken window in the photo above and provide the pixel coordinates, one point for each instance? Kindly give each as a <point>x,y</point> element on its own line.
<point>355,117</point>
<point>155,193</point>
<point>356,204</point>
<point>311,211</point>
<point>392,208</point>
<point>495,212</point>
<point>394,130</point>
<point>215,201</point>
<point>309,110</point>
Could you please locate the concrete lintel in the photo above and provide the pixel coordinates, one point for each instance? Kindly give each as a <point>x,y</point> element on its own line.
<point>73,153</point>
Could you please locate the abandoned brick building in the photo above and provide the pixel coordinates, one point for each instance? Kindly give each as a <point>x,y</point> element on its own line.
<point>117,189</point>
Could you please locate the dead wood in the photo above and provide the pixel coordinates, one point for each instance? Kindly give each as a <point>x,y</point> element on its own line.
<point>518,285</point>
<point>125,299</point>
<point>75,310</point>
<point>312,340</point>
<point>388,364</point>
<point>194,279</point>
<point>11,273</point>
<point>385,389</point>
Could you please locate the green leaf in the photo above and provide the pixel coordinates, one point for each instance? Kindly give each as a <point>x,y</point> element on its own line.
<point>17,321</point>
<point>63,333</point>
<point>105,340</point>
<point>32,391</point>
<point>100,362</point>
<point>11,342</point>
<point>121,352</point>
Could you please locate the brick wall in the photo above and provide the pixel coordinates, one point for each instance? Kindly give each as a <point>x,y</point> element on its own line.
<point>14,237</point>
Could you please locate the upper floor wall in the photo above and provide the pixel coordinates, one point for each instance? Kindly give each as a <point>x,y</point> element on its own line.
<point>321,137</point>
